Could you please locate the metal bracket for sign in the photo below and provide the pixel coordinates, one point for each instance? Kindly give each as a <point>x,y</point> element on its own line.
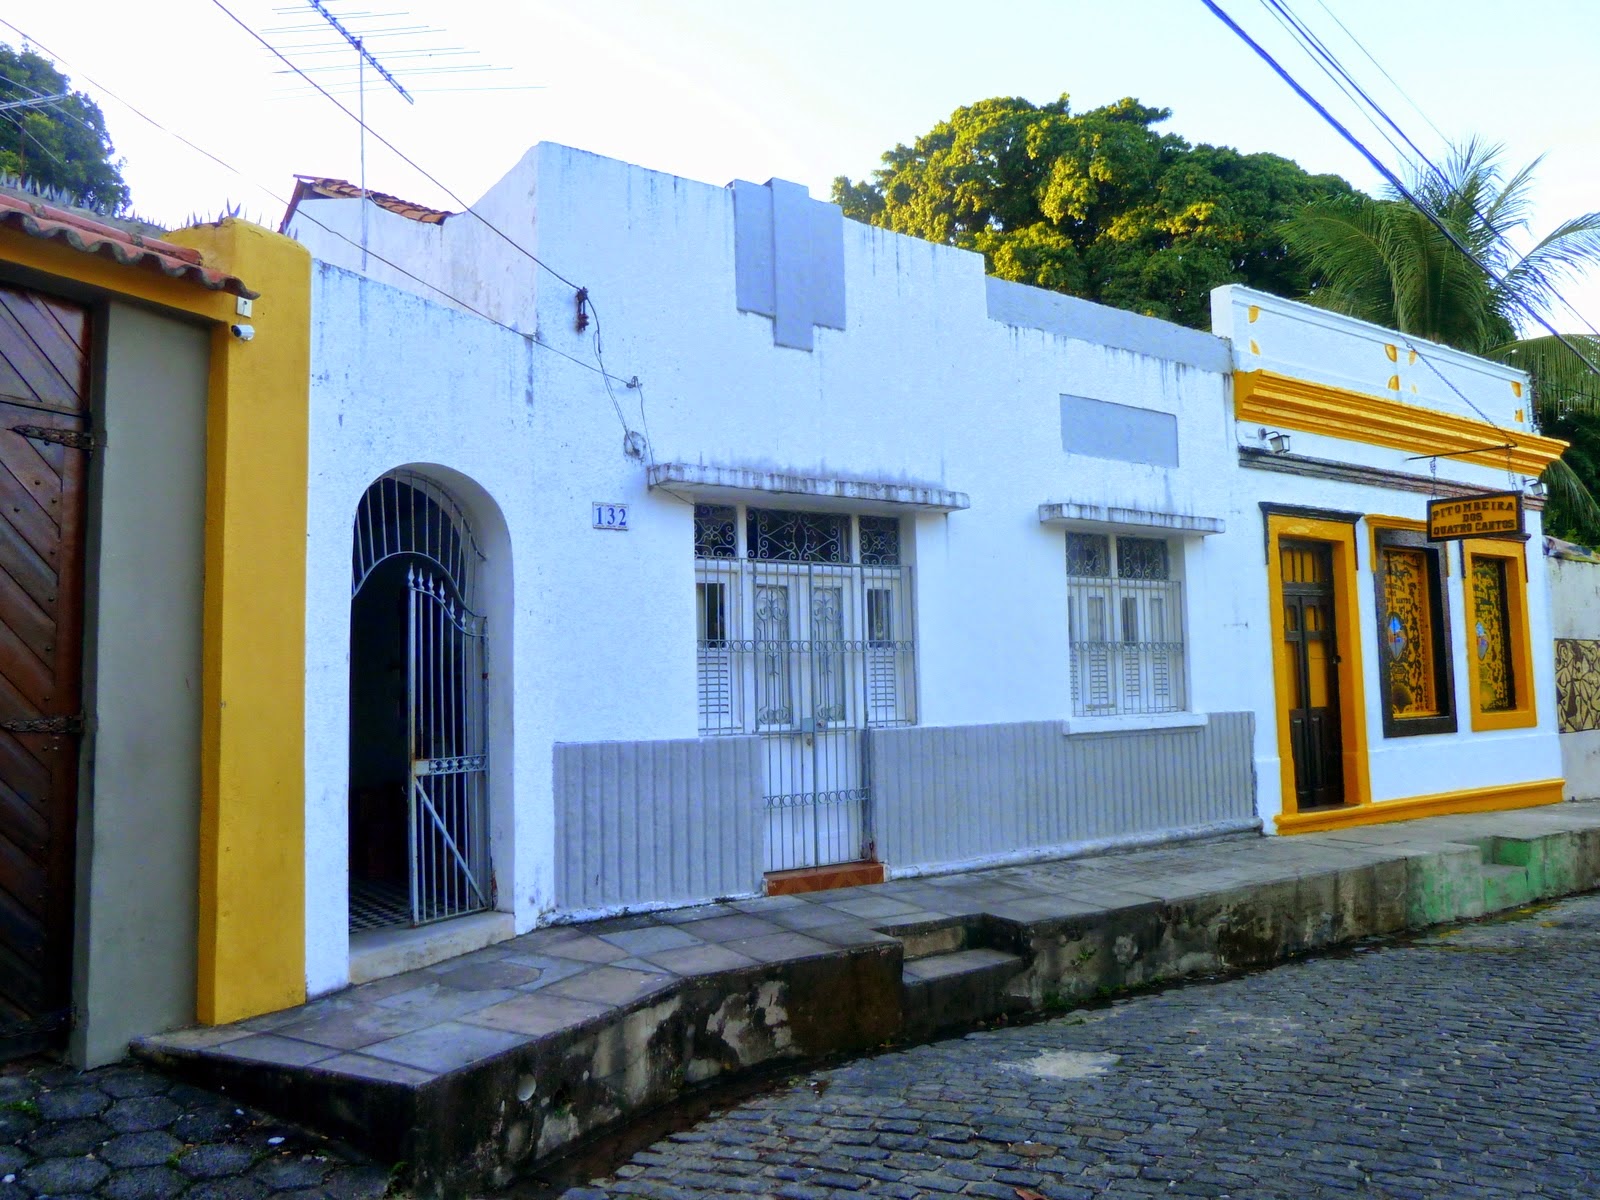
<point>1463,453</point>
<point>74,439</point>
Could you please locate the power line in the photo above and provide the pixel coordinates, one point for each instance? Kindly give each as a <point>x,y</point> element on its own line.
<point>1393,82</point>
<point>1319,51</point>
<point>402,155</point>
<point>632,382</point>
<point>1393,179</point>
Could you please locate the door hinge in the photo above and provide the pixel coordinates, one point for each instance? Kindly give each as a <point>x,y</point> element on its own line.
<point>74,439</point>
<point>58,726</point>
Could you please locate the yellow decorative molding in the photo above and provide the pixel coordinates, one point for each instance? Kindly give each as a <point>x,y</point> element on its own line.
<point>1267,398</point>
<point>1468,800</point>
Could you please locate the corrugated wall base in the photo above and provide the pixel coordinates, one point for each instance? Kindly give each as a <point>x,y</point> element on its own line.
<point>974,794</point>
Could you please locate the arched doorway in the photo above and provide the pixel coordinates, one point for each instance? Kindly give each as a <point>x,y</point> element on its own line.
<point>419,826</point>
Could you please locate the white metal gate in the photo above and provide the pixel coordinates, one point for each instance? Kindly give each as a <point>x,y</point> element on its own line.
<point>812,657</point>
<point>447,828</point>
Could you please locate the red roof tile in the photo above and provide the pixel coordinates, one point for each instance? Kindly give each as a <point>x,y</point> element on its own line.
<point>119,246</point>
<point>315,187</point>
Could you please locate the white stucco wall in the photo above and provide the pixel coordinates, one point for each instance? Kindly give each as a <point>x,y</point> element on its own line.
<point>592,633</point>
<point>923,386</point>
<point>1308,343</point>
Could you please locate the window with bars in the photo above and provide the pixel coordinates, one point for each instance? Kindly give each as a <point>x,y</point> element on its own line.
<point>1125,626</point>
<point>804,619</point>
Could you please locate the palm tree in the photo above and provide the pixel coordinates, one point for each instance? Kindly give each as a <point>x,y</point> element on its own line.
<point>1385,261</point>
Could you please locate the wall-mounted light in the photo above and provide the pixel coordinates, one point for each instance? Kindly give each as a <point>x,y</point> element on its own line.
<point>1534,487</point>
<point>1276,441</point>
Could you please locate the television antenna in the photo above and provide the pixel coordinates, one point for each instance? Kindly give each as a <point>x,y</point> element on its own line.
<point>406,50</point>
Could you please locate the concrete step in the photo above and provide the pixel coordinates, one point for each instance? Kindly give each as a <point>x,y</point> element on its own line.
<point>944,991</point>
<point>1506,887</point>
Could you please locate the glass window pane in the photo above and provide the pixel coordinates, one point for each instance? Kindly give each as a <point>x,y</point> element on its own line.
<point>1088,555</point>
<point>1491,638</point>
<point>1141,558</point>
<point>880,541</point>
<point>1408,632</point>
<point>714,531</point>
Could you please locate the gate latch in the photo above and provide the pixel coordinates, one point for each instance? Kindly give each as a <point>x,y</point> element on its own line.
<point>58,726</point>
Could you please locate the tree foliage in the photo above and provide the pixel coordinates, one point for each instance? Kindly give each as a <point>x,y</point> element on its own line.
<point>1385,261</point>
<point>1096,204</point>
<point>63,145</point>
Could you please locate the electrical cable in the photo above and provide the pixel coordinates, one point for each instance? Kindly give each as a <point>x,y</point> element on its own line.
<point>465,206</point>
<point>535,338</point>
<point>1330,68</point>
<point>401,154</point>
<point>1319,50</point>
<point>1393,179</point>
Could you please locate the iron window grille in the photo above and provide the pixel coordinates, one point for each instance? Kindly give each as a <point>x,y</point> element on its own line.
<point>793,636</point>
<point>1125,626</point>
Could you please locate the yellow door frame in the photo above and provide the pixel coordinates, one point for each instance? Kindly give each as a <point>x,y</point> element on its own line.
<point>1340,536</point>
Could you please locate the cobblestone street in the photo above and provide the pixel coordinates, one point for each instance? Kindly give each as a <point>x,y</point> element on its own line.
<point>127,1133</point>
<point>1461,1064</point>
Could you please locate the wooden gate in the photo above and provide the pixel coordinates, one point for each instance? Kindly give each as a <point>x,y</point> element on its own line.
<point>43,436</point>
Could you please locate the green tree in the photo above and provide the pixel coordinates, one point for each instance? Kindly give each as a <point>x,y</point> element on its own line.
<point>65,144</point>
<point>1097,204</point>
<point>1385,261</point>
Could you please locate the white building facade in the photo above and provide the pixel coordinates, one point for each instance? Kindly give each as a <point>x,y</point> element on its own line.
<point>669,542</point>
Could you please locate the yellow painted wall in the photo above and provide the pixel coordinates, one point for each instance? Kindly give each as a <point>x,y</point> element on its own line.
<point>252,819</point>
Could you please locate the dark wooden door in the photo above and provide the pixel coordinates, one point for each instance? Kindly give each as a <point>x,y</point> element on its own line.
<point>44,358</point>
<point>1313,702</point>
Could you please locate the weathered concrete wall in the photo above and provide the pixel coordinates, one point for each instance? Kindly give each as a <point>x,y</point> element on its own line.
<point>139,820</point>
<point>657,823</point>
<point>966,794</point>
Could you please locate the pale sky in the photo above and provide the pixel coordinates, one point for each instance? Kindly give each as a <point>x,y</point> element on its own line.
<point>723,89</point>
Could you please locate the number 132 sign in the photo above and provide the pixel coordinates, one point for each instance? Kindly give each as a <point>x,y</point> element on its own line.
<point>610,516</point>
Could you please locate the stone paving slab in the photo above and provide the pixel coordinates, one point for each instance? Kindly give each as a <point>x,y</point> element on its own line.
<point>477,1067</point>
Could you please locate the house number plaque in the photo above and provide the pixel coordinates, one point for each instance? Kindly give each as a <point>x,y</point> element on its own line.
<point>610,516</point>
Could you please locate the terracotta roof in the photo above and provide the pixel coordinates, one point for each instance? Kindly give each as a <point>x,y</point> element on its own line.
<point>315,187</point>
<point>128,249</point>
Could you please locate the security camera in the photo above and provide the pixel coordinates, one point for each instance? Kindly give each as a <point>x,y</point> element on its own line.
<point>243,332</point>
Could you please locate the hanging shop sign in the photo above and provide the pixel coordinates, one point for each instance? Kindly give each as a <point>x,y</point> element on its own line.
<point>1492,514</point>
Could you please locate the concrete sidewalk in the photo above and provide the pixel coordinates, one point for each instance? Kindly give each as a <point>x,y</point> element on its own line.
<point>480,1067</point>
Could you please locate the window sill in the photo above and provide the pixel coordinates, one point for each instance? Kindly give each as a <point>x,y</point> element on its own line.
<point>1134,723</point>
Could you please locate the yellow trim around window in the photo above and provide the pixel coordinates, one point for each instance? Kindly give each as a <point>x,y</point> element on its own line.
<point>1341,537</point>
<point>1525,713</point>
<point>1283,401</point>
<point>1377,523</point>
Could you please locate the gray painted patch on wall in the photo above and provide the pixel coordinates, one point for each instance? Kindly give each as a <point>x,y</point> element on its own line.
<point>788,256</point>
<point>1027,307</point>
<point>1102,429</point>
